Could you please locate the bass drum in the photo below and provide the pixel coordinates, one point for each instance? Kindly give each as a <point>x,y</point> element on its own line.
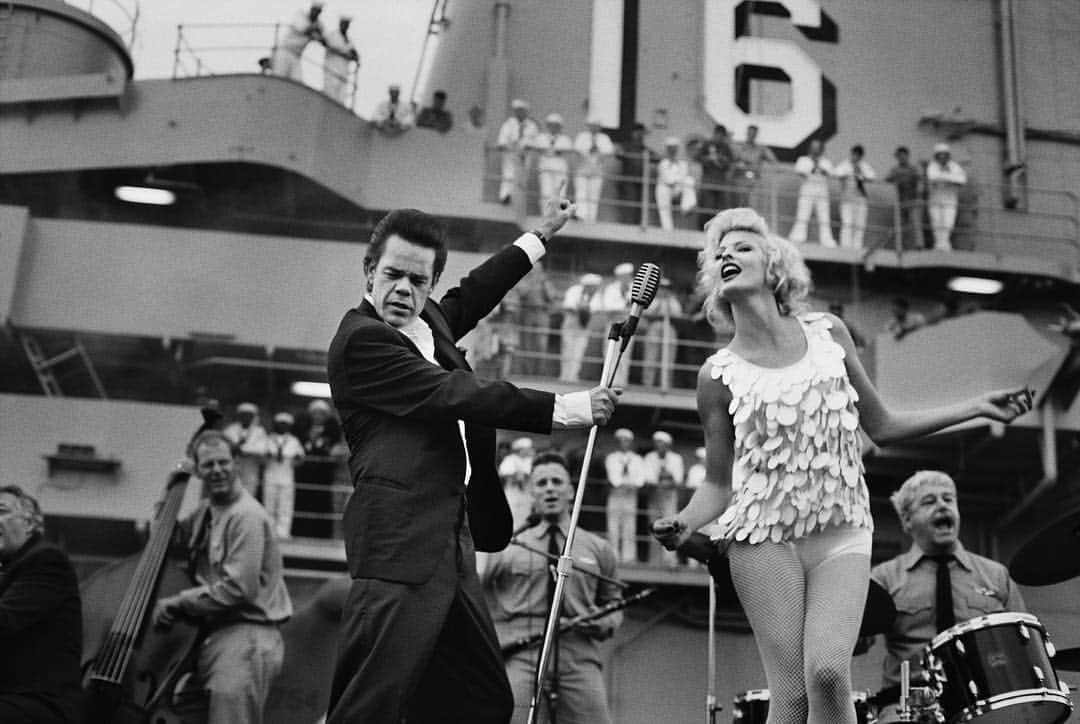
<point>752,707</point>
<point>996,669</point>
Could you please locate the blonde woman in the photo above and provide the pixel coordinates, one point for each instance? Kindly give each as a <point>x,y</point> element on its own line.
<point>782,407</point>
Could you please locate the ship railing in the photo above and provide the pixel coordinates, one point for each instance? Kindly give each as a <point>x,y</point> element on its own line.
<point>120,15</point>
<point>320,506</point>
<point>205,49</point>
<point>1046,227</point>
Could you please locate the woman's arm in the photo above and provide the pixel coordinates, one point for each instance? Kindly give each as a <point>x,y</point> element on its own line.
<point>885,426</point>
<point>709,500</point>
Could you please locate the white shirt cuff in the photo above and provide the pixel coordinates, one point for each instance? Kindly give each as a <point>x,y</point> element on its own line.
<point>532,246</point>
<point>573,409</point>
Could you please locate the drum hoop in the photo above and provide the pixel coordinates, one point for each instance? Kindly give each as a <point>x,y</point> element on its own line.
<point>1021,696</point>
<point>987,621</point>
<point>753,695</point>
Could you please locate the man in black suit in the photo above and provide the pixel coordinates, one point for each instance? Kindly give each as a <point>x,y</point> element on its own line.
<point>417,640</point>
<point>40,619</point>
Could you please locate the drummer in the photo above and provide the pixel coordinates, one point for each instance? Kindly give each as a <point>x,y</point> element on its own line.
<point>935,584</point>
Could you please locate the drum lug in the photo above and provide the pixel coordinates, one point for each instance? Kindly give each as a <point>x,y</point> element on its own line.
<point>1024,633</point>
<point>973,688</point>
<point>960,647</point>
<point>1039,675</point>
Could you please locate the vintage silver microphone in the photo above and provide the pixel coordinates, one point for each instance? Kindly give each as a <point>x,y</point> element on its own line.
<point>642,292</point>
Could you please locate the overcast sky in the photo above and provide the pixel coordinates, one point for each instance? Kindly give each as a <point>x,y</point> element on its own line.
<point>387,33</point>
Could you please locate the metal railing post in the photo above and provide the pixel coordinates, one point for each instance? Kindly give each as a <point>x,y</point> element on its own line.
<point>898,225</point>
<point>176,51</point>
<point>645,189</point>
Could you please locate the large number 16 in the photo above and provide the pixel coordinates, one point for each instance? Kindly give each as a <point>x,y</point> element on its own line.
<point>732,59</point>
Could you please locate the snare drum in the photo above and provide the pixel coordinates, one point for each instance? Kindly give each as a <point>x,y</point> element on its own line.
<point>752,707</point>
<point>996,668</point>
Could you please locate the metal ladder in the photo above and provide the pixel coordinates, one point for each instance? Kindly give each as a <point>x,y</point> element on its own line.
<point>44,366</point>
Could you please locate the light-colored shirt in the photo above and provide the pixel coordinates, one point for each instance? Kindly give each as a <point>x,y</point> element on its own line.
<point>849,175</point>
<point>515,134</point>
<point>552,149</point>
<point>945,179</point>
<point>515,585</point>
<point>625,468</point>
<point>615,298</point>
<point>299,32</point>
<point>695,476</point>
<point>593,147</point>
<point>664,471</point>
<point>400,113</point>
<point>250,440</point>
<point>815,175</point>
<point>282,454</point>
<point>979,586</point>
<point>515,466</point>
<point>237,565</point>
<point>674,172</point>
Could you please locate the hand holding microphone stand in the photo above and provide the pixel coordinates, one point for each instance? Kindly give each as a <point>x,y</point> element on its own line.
<point>642,292</point>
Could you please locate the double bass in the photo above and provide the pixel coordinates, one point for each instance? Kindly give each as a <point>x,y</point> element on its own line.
<point>133,674</point>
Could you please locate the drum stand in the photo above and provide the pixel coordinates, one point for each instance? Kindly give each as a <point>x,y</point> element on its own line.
<point>566,564</point>
<point>711,707</point>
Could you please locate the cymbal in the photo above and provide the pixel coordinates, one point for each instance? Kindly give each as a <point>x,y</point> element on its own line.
<point>879,613</point>
<point>1051,556</point>
<point>1067,659</point>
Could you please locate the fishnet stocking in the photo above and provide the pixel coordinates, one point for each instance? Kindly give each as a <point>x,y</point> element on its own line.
<point>835,597</point>
<point>805,625</point>
<point>770,582</point>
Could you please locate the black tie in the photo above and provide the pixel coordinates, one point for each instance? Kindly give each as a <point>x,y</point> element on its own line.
<point>555,550</point>
<point>943,601</point>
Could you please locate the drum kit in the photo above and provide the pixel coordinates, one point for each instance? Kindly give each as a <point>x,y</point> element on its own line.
<point>1000,668</point>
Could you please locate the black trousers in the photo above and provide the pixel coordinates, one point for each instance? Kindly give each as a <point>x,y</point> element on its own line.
<point>421,654</point>
<point>32,709</point>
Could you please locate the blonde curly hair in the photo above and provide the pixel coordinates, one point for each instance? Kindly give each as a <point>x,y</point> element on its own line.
<point>785,270</point>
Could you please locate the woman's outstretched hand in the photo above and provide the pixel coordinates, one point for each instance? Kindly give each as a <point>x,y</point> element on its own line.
<point>1006,405</point>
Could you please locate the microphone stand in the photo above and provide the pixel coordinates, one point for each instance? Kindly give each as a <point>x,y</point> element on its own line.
<point>566,564</point>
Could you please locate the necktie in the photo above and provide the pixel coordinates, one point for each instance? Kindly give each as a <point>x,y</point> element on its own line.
<point>943,600</point>
<point>555,550</point>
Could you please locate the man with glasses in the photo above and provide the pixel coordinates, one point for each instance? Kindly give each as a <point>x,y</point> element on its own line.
<point>40,619</point>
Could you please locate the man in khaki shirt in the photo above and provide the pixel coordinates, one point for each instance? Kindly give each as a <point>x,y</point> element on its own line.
<point>240,598</point>
<point>926,504</point>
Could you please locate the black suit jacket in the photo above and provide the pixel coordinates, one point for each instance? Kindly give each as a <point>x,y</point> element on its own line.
<point>400,414</point>
<point>41,625</point>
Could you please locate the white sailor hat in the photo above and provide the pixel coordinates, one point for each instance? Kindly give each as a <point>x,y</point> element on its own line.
<point>661,436</point>
<point>519,103</point>
<point>247,407</point>
<point>283,417</point>
<point>624,269</point>
<point>553,118</point>
<point>941,148</point>
<point>624,433</point>
<point>591,279</point>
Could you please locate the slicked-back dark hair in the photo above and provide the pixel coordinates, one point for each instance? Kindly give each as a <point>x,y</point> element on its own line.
<point>413,226</point>
<point>551,457</point>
